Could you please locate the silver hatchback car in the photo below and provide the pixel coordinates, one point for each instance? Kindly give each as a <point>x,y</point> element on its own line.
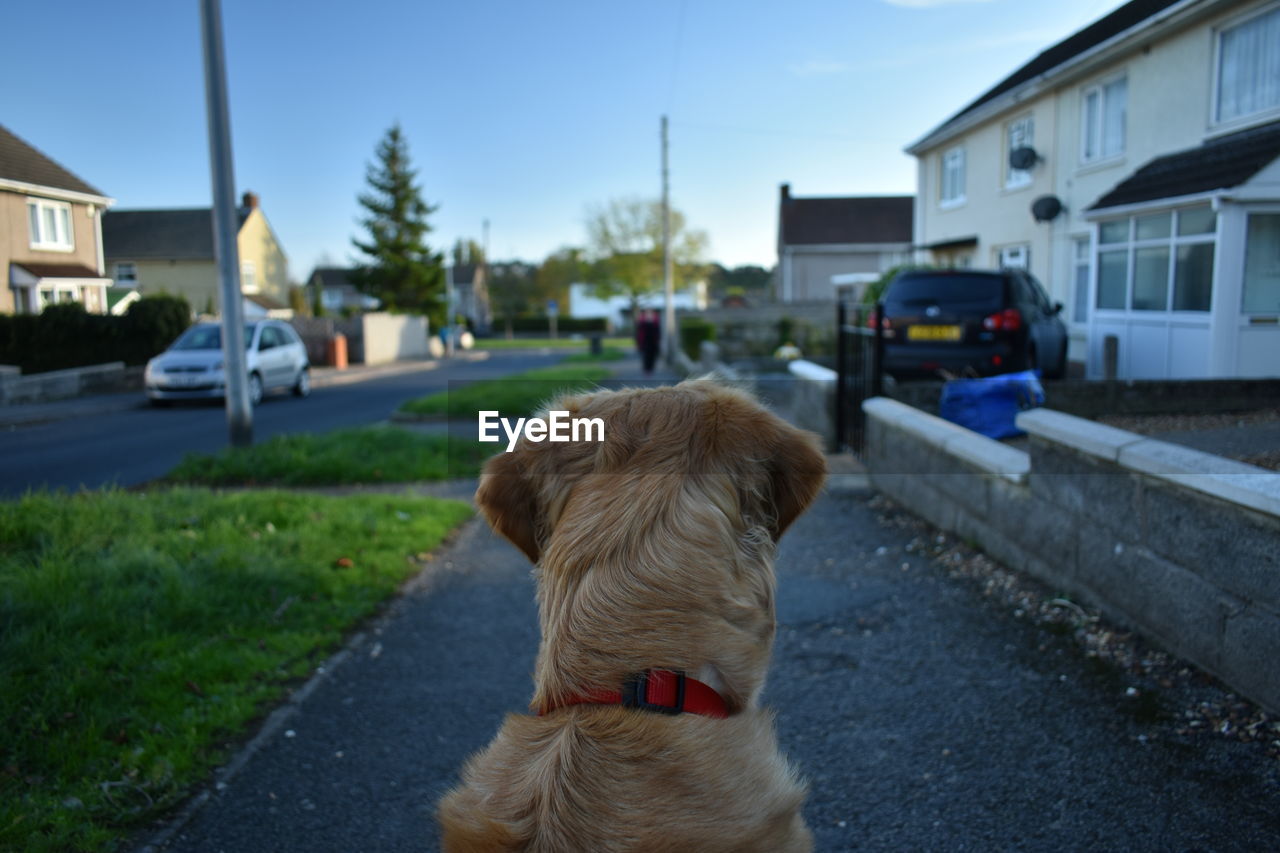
<point>192,369</point>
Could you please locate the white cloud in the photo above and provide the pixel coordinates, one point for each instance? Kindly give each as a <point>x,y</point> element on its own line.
<point>929,4</point>
<point>816,67</point>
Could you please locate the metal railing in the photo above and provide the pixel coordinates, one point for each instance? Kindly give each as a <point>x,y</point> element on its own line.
<point>859,356</point>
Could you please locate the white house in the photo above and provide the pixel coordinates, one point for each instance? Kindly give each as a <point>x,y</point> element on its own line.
<point>1133,167</point>
<point>583,303</point>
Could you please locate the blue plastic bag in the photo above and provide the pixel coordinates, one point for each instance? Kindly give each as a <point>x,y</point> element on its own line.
<point>989,405</point>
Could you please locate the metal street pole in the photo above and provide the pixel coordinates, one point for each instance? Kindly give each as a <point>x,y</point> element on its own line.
<point>239,412</point>
<point>668,278</point>
<point>449,311</point>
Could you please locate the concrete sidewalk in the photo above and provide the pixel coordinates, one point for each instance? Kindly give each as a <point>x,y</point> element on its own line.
<point>923,717</point>
<point>79,407</point>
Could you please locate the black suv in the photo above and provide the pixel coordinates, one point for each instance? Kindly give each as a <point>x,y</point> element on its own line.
<point>964,321</point>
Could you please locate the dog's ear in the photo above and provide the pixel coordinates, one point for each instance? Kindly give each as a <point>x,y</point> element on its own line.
<point>797,470</point>
<point>509,502</point>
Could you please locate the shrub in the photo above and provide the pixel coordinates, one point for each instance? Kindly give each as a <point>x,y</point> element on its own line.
<point>152,323</point>
<point>64,336</point>
<point>693,331</point>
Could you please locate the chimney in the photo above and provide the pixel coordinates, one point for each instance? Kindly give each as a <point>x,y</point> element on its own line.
<point>786,192</point>
<point>249,201</point>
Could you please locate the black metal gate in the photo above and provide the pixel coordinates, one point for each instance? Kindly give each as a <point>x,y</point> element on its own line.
<point>859,354</point>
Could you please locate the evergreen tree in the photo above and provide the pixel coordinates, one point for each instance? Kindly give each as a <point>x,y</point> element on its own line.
<point>401,270</point>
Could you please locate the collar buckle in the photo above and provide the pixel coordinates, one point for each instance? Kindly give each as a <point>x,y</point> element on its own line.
<point>637,690</point>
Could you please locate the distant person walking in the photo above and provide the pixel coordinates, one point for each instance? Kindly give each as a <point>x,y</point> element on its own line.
<point>648,338</point>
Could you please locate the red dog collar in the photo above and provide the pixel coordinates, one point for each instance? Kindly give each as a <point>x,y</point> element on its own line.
<point>658,690</point>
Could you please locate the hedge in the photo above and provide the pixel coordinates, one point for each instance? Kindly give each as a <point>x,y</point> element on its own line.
<point>66,335</point>
<point>564,325</point>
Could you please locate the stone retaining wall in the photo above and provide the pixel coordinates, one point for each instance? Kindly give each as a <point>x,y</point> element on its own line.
<point>1180,545</point>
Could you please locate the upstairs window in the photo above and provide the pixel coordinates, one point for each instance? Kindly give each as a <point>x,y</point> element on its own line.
<point>1017,134</point>
<point>50,224</point>
<point>952,185</point>
<point>248,277</point>
<point>1103,113</point>
<point>126,274</point>
<point>1249,67</point>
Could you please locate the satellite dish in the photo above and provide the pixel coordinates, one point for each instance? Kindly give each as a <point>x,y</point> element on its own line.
<point>1046,208</point>
<point>1023,157</point>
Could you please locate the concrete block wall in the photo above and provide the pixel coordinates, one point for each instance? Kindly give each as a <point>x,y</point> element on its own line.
<point>65,384</point>
<point>1180,545</point>
<point>389,337</point>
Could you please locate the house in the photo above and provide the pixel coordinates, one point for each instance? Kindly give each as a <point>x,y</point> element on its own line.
<point>50,233</point>
<point>337,292</point>
<point>1134,168</point>
<point>471,293</point>
<point>585,303</point>
<point>171,251</point>
<point>819,238</point>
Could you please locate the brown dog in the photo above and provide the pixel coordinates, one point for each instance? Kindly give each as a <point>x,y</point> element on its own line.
<point>654,552</point>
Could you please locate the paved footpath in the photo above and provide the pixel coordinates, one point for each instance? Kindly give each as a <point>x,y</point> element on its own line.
<point>923,717</point>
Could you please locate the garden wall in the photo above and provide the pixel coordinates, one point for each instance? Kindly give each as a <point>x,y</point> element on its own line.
<point>1180,545</point>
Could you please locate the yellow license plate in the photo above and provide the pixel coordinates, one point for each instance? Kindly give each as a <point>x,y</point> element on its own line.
<point>933,333</point>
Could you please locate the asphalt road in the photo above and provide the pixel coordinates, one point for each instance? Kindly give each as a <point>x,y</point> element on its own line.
<point>133,446</point>
<point>923,717</point>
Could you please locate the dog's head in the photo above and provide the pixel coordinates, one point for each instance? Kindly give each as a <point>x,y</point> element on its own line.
<point>712,445</point>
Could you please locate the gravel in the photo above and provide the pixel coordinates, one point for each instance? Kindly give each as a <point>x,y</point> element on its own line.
<point>1186,702</point>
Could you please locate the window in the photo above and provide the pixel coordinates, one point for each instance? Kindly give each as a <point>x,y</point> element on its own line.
<point>952,177</point>
<point>1155,262</point>
<point>1080,280</point>
<point>270,339</point>
<point>58,294</point>
<point>1262,265</point>
<point>1017,134</point>
<point>1249,67</point>
<point>248,277</point>
<point>126,274</point>
<point>50,223</point>
<point>1016,257</point>
<point>1102,120</point>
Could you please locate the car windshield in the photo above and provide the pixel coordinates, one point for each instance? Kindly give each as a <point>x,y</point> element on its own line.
<point>206,337</point>
<point>976,291</point>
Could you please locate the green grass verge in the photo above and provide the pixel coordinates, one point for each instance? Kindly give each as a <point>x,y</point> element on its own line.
<point>538,343</point>
<point>359,455</point>
<point>140,633</point>
<point>518,395</point>
<point>607,354</point>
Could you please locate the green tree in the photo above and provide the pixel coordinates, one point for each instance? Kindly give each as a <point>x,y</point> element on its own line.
<point>563,267</point>
<point>624,240</point>
<point>400,269</point>
<point>743,280</point>
<point>512,290</point>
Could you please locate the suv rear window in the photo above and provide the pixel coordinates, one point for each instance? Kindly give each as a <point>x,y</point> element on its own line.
<point>959,290</point>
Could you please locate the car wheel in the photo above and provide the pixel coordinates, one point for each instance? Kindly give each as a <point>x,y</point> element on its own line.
<point>255,389</point>
<point>158,403</point>
<point>302,387</point>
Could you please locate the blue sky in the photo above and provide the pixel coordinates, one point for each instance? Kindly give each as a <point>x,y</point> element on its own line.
<point>521,113</point>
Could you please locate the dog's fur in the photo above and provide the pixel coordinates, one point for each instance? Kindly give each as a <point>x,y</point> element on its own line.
<point>654,550</point>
